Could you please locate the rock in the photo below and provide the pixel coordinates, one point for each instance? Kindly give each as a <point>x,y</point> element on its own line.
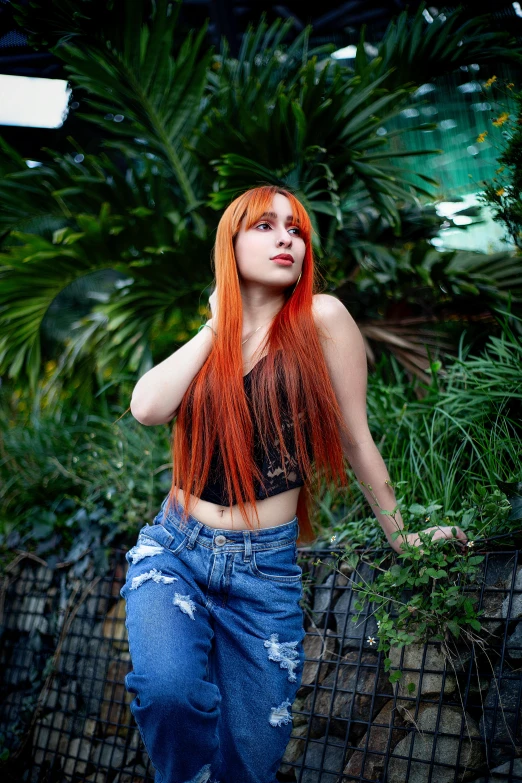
<point>109,754</point>
<point>77,755</point>
<point>136,770</point>
<point>323,598</point>
<point>298,708</point>
<point>479,686</point>
<point>499,570</point>
<point>321,649</point>
<point>513,767</point>
<point>89,727</point>
<point>49,732</point>
<point>21,661</point>
<point>327,772</point>
<point>327,590</point>
<point>62,696</point>
<point>294,749</point>
<point>349,683</point>
<point>446,750</point>
<point>413,656</point>
<point>515,610</point>
<point>91,669</point>
<point>352,632</point>
<point>114,709</point>
<point>114,626</point>
<point>128,777</point>
<point>33,579</point>
<point>31,614</point>
<point>43,578</point>
<point>491,610</point>
<point>81,634</point>
<point>502,773</point>
<point>368,762</point>
<point>499,720</point>
<point>514,643</point>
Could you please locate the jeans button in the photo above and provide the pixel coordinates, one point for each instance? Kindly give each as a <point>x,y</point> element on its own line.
<point>220,540</point>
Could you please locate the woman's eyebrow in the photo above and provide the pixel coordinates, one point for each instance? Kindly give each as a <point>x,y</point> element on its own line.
<point>273,215</point>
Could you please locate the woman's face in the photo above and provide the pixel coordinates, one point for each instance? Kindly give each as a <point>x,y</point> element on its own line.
<point>257,247</point>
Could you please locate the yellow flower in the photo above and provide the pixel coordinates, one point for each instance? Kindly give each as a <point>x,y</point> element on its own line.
<point>500,191</point>
<point>482,136</point>
<point>510,85</point>
<point>501,119</point>
<point>490,82</point>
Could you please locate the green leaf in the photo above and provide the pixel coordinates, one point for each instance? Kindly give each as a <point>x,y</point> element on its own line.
<point>436,574</point>
<point>454,628</point>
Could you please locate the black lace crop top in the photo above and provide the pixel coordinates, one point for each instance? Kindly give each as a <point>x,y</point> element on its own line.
<point>269,464</point>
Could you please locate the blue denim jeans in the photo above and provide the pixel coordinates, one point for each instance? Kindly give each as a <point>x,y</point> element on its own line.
<point>216,642</point>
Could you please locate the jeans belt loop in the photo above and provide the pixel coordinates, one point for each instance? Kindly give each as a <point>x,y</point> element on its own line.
<point>194,535</point>
<point>248,546</point>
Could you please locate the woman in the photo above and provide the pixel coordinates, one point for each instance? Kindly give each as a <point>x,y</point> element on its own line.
<point>276,382</point>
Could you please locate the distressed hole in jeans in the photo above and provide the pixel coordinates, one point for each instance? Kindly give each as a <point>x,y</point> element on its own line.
<point>281,714</point>
<point>284,653</point>
<point>186,604</point>
<point>155,576</point>
<point>144,549</point>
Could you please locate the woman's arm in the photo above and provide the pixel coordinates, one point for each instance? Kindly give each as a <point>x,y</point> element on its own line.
<point>158,393</point>
<point>345,357</point>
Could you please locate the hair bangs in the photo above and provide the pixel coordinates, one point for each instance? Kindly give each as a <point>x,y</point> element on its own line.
<point>255,203</point>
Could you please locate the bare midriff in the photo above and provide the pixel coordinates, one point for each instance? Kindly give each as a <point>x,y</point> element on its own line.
<point>273,511</point>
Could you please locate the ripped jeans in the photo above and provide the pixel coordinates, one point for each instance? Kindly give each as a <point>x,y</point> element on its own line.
<point>216,642</point>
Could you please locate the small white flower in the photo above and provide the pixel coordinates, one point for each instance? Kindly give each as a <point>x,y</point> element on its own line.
<point>370,640</point>
<point>470,543</point>
<point>378,623</point>
<point>333,539</point>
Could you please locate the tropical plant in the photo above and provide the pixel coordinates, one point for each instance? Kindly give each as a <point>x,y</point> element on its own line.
<point>72,481</point>
<point>181,129</point>
<point>503,193</point>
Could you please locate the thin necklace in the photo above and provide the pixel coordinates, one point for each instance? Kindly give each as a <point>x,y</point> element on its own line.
<point>255,330</point>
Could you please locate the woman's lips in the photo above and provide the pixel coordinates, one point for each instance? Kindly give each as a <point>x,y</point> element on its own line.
<point>282,261</point>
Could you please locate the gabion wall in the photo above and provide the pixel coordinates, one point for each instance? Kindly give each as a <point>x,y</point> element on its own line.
<point>65,715</point>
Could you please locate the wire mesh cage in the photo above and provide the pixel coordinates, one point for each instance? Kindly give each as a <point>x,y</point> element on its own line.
<point>65,713</point>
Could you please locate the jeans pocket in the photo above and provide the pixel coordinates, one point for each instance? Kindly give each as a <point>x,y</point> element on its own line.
<point>278,564</point>
<point>170,539</point>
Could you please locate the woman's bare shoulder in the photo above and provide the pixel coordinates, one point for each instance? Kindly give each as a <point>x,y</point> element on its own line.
<point>325,307</point>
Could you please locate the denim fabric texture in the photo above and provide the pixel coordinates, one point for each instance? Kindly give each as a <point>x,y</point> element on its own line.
<point>216,643</point>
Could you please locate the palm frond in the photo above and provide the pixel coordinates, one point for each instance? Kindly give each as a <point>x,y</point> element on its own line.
<point>414,51</point>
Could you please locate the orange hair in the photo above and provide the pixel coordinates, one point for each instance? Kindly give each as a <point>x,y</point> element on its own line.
<point>215,406</point>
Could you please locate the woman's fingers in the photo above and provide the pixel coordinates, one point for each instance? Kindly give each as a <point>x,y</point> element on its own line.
<point>446,531</point>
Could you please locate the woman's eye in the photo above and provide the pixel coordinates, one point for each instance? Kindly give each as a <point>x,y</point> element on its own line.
<point>293,228</point>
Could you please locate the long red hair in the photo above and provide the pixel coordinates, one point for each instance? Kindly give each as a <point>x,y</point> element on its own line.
<point>215,406</point>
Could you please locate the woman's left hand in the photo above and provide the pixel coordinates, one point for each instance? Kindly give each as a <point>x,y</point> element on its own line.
<point>440,531</point>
